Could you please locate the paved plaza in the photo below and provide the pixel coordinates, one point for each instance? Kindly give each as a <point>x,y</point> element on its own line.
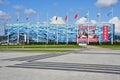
<point>90,63</point>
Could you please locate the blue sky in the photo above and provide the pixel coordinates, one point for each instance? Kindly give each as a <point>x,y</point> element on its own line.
<point>59,8</point>
<point>56,7</point>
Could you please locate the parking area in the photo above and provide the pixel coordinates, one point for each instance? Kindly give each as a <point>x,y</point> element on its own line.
<point>83,64</point>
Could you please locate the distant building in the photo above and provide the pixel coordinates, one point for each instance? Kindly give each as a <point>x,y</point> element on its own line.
<point>29,32</point>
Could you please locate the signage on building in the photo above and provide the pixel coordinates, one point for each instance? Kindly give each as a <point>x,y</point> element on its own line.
<point>87,33</point>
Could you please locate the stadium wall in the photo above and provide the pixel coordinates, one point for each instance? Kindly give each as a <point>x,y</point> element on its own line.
<point>29,32</point>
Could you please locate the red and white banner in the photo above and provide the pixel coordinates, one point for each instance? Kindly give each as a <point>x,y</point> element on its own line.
<point>86,34</point>
<point>86,40</point>
<point>105,33</point>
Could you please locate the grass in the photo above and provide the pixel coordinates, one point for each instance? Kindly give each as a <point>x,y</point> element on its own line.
<point>38,48</point>
<point>115,47</point>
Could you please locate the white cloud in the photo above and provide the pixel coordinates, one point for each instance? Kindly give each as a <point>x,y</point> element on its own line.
<point>1,2</point>
<point>55,4</point>
<point>18,7</point>
<point>59,20</point>
<point>4,2</point>
<point>81,21</point>
<point>84,20</point>
<point>4,15</point>
<point>105,3</point>
<point>116,21</point>
<point>93,21</point>
<point>29,11</point>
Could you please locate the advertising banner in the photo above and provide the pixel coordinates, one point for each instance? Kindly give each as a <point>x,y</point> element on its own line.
<point>105,33</point>
<point>87,33</point>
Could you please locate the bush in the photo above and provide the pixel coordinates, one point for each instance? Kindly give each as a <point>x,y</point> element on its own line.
<point>104,43</point>
<point>116,43</point>
<point>94,43</point>
<point>51,43</point>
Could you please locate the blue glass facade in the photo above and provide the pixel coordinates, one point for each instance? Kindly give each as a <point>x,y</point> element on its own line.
<point>29,32</point>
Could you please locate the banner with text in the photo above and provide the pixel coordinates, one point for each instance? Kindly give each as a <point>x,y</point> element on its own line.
<point>87,33</point>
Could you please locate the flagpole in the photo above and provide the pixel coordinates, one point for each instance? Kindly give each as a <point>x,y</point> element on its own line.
<point>37,33</point>
<point>56,30</point>
<point>77,33</point>
<point>99,21</point>
<point>99,16</point>
<point>88,15</point>
<point>47,27</point>
<point>67,31</point>
<point>18,29</point>
<point>88,26</point>
<point>66,18</point>
<point>75,17</point>
<point>112,12</point>
<point>37,26</point>
<point>8,32</point>
<point>57,33</point>
<point>28,31</point>
<point>112,34</point>
<point>8,36</point>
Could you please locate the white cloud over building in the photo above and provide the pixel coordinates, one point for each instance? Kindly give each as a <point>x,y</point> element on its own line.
<point>4,15</point>
<point>56,20</point>
<point>18,7</point>
<point>116,21</point>
<point>29,11</point>
<point>81,21</point>
<point>4,2</point>
<point>105,3</point>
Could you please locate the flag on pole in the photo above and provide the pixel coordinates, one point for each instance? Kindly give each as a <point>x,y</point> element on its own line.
<point>110,12</point>
<point>27,19</point>
<point>56,18</point>
<point>87,15</point>
<point>98,14</point>
<point>76,15</point>
<point>7,19</point>
<point>18,18</point>
<point>66,17</point>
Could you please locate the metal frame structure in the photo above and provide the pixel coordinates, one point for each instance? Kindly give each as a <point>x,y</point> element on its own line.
<point>29,32</point>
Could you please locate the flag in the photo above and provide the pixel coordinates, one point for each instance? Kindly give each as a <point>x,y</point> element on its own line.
<point>66,17</point>
<point>56,18</point>
<point>98,15</point>
<point>110,12</point>
<point>18,18</point>
<point>27,19</point>
<point>76,15</point>
<point>7,19</point>
<point>87,15</point>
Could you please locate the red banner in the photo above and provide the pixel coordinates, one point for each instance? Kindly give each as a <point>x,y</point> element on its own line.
<point>86,40</point>
<point>105,33</point>
<point>86,27</point>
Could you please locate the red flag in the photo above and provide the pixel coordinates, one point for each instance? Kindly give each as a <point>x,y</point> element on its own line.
<point>76,15</point>
<point>66,17</point>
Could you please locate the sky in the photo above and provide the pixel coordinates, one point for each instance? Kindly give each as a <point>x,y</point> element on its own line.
<point>46,10</point>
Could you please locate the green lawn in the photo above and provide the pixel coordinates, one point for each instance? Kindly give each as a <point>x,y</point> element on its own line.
<point>38,48</point>
<point>115,47</point>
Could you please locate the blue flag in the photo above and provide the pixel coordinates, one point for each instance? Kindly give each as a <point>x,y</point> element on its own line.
<point>110,12</point>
